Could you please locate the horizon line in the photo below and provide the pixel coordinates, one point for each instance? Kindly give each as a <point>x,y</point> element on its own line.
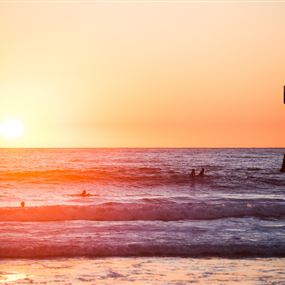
<point>140,1</point>
<point>154,147</point>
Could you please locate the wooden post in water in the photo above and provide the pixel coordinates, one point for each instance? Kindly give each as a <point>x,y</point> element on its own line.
<point>283,165</point>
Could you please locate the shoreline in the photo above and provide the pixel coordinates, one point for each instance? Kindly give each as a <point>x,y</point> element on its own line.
<point>142,270</point>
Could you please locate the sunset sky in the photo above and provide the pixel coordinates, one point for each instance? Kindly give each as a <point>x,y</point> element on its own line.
<point>143,74</point>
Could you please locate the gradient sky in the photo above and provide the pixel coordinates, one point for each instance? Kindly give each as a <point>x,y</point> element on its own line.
<point>143,74</point>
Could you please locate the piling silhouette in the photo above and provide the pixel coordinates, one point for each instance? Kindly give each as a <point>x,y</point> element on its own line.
<point>283,165</point>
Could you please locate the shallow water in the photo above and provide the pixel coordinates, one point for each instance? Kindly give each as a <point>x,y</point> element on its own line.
<point>142,271</point>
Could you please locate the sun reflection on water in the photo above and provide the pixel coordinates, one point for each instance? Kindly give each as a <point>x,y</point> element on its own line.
<point>11,277</point>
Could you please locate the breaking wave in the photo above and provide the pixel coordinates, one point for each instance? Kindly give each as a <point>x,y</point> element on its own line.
<point>149,211</point>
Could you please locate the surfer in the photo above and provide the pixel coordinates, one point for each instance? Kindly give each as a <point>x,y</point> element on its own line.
<point>192,174</point>
<point>201,174</point>
<point>23,204</point>
<point>85,194</point>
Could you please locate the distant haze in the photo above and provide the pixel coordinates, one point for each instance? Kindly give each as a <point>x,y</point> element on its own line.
<point>143,74</point>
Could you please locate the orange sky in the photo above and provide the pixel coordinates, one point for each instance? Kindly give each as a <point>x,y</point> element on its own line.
<point>143,74</point>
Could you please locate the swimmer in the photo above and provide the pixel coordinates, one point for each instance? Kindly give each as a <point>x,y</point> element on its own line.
<point>82,194</point>
<point>192,174</point>
<point>201,174</point>
<point>23,204</point>
<point>85,194</point>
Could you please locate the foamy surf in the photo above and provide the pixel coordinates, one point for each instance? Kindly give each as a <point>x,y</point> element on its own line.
<point>248,237</point>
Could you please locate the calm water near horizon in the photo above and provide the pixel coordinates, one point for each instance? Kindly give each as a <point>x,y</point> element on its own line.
<point>144,208</point>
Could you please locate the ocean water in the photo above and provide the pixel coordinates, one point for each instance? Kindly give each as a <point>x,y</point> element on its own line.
<point>143,204</point>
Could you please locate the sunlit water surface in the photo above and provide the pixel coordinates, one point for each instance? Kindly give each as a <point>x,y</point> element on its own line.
<point>146,220</point>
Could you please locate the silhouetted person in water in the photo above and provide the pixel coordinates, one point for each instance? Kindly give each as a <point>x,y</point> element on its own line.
<point>85,194</point>
<point>23,204</point>
<point>192,174</point>
<point>201,174</point>
<point>283,165</point>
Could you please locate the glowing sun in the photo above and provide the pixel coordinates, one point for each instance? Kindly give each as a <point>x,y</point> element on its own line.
<point>12,129</point>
